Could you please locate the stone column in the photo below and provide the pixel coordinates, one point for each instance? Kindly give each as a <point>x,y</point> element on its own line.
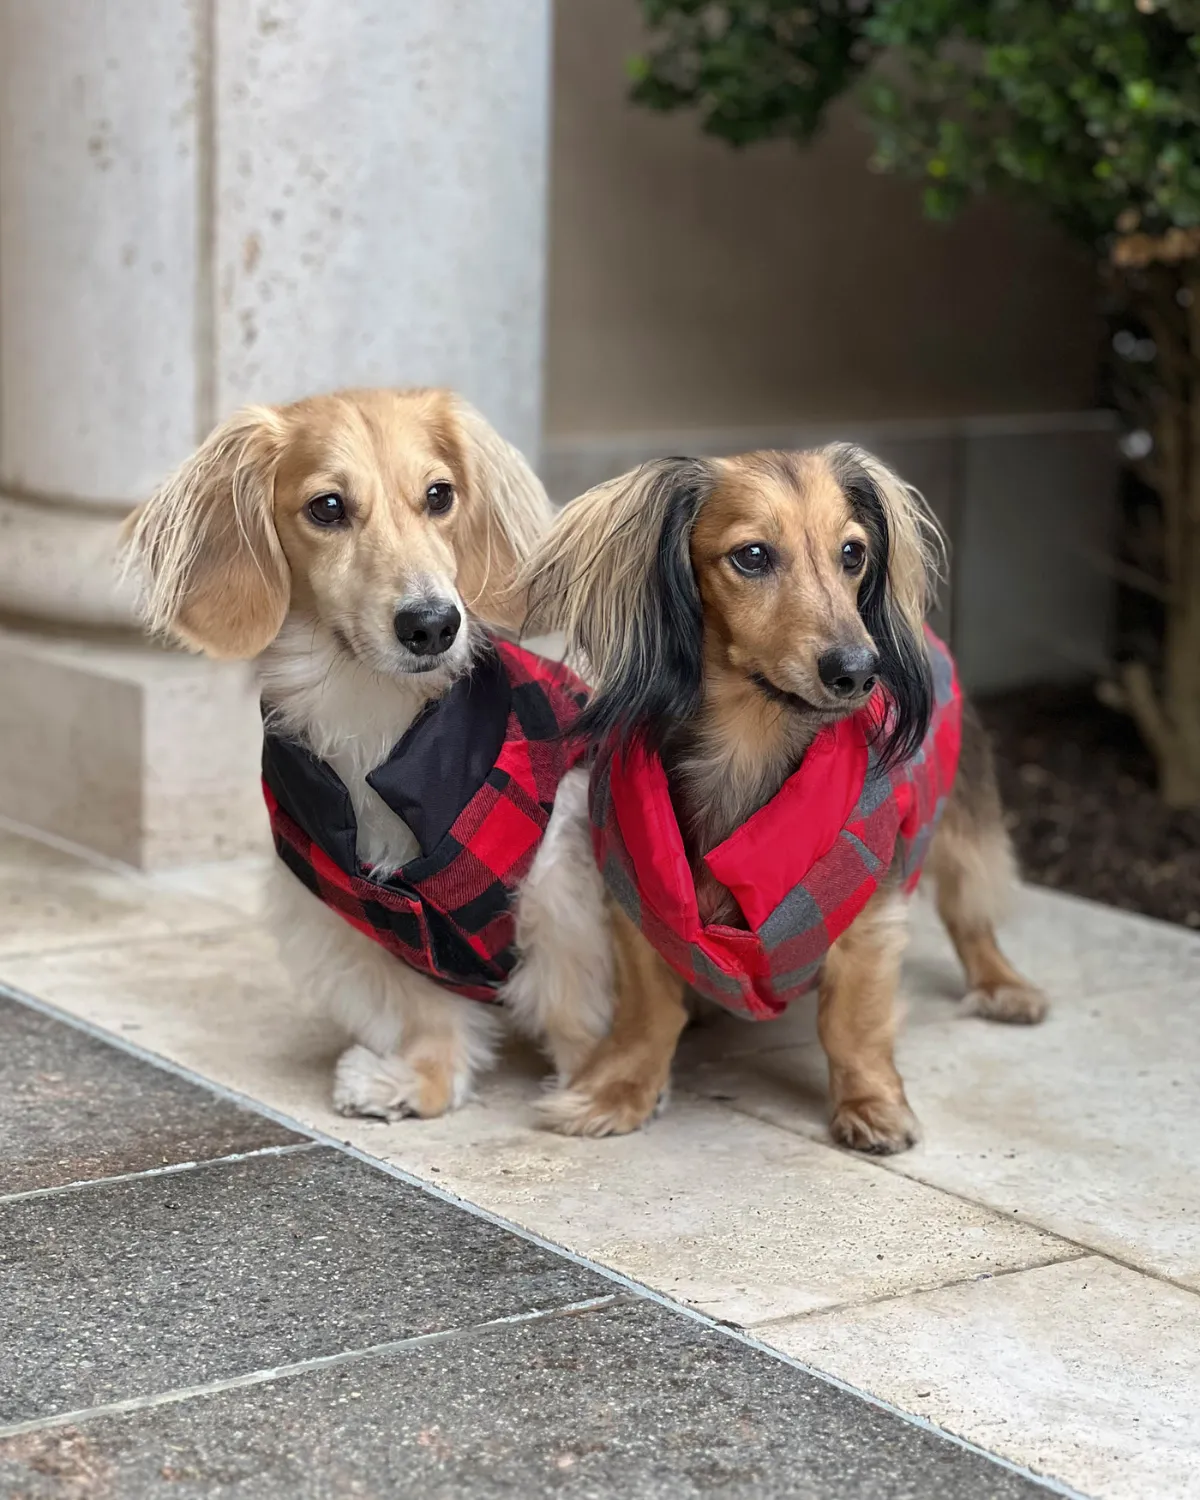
<point>203,203</point>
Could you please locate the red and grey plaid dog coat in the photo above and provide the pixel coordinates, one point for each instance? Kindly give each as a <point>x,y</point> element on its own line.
<point>475,778</point>
<point>801,868</point>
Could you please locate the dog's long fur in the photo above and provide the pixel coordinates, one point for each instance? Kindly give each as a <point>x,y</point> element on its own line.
<point>233,565</point>
<point>721,673</point>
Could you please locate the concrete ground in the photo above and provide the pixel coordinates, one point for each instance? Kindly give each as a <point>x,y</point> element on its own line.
<point>212,1285</point>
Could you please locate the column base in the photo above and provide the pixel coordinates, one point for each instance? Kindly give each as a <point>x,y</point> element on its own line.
<point>142,755</point>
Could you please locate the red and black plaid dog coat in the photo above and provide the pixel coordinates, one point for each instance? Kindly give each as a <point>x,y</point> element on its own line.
<point>801,868</point>
<point>475,778</point>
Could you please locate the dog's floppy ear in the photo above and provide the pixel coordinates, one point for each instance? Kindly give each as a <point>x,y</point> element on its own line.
<point>506,512</point>
<point>205,549</point>
<point>615,573</point>
<point>905,559</point>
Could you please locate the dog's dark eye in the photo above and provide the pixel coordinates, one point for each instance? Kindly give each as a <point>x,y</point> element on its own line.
<point>854,554</point>
<point>439,498</point>
<point>753,558</point>
<point>327,510</point>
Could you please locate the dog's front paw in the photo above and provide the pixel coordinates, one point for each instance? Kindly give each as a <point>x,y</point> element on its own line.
<point>1012,1004</point>
<point>615,1107</point>
<point>880,1127</point>
<point>389,1088</point>
<point>377,1088</point>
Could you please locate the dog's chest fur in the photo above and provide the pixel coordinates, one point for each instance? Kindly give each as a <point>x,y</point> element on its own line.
<point>351,718</point>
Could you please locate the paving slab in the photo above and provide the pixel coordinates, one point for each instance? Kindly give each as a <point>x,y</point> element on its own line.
<point>75,1108</point>
<point>218,1002</point>
<point>128,1288</point>
<point>239,885</point>
<point>741,1220</point>
<point>722,1213</point>
<point>1085,1125</point>
<point>51,900</point>
<point>1087,1370</point>
<point>627,1401</point>
<point>1074,949</point>
<point>1080,1130</point>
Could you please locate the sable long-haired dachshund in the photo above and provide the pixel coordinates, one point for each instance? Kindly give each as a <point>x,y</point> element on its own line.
<point>778,739</point>
<point>429,815</point>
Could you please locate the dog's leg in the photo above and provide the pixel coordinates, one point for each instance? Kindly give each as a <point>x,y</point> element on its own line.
<point>416,1047</point>
<point>561,991</point>
<point>622,1082</point>
<point>856,1021</point>
<point>972,866</point>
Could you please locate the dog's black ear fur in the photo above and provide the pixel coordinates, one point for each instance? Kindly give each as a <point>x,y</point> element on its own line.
<point>904,666</point>
<point>655,679</point>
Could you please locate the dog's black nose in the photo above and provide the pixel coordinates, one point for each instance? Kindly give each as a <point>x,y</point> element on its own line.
<point>427,629</point>
<point>848,670</point>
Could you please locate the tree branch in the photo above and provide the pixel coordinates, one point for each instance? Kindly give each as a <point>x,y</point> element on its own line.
<point>1142,703</point>
<point>1131,577</point>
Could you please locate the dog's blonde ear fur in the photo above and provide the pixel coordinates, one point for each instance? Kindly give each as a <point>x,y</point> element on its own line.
<point>205,548</point>
<point>916,544</point>
<point>614,573</point>
<point>508,511</point>
<point>593,567</point>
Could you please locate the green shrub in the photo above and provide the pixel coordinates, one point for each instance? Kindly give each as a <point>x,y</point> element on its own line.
<point>1088,110</point>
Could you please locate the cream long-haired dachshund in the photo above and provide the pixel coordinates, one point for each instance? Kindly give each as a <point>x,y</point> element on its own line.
<point>778,740</point>
<point>354,546</point>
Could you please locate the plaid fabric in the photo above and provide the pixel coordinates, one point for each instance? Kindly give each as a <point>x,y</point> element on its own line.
<point>801,868</point>
<point>449,912</point>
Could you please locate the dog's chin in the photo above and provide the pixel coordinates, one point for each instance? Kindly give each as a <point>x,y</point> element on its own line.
<point>434,673</point>
<point>823,711</point>
<point>431,671</point>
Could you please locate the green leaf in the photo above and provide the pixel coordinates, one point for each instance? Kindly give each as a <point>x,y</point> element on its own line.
<point>1082,108</point>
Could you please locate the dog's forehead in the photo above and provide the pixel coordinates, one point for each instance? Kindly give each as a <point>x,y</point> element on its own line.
<point>392,435</point>
<point>782,492</point>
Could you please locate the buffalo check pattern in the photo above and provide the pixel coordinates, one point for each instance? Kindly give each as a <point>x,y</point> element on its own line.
<point>449,912</point>
<point>758,970</point>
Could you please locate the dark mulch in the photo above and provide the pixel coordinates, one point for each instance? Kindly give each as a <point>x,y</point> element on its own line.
<point>1078,788</point>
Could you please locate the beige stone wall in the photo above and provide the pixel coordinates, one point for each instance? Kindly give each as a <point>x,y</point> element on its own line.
<point>692,286</point>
